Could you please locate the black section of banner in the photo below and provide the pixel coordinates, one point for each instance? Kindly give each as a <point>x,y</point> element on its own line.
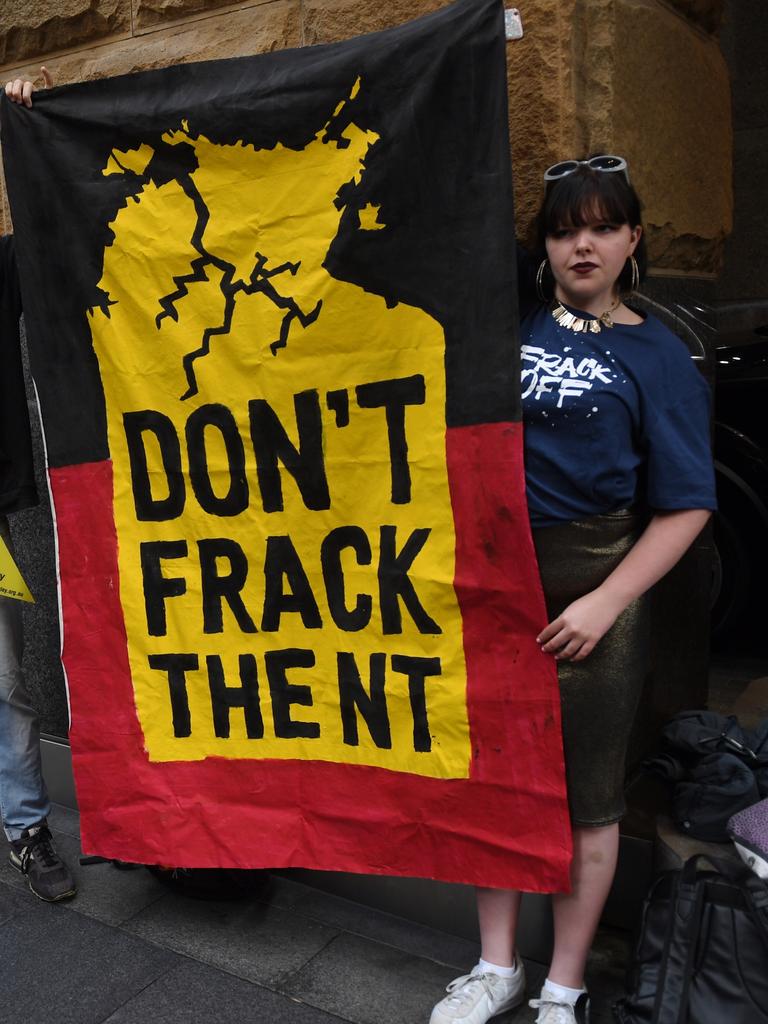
<point>434,90</point>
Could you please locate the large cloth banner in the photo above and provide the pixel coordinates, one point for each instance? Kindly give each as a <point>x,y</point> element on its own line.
<point>272,319</point>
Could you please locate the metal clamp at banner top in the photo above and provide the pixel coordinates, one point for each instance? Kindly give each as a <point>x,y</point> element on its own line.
<point>513,24</point>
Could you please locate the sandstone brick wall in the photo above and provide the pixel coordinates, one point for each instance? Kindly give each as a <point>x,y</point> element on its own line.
<point>644,78</point>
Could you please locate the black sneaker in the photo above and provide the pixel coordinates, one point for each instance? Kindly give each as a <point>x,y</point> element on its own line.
<point>34,856</point>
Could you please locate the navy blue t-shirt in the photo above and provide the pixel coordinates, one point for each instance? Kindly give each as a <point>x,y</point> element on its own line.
<point>611,420</point>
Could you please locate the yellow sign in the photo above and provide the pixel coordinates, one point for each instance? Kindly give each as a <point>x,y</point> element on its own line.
<point>286,540</point>
<point>11,581</point>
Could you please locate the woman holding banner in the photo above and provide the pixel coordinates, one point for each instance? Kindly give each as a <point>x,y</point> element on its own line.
<point>620,483</point>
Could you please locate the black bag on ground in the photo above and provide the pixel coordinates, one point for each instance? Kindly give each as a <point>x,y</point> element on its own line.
<point>715,768</point>
<point>702,954</point>
<point>704,732</point>
<point>714,789</point>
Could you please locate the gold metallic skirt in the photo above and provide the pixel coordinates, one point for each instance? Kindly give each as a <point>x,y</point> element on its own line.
<point>599,695</point>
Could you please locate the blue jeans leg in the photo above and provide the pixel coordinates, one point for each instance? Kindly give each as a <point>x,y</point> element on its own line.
<point>23,796</point>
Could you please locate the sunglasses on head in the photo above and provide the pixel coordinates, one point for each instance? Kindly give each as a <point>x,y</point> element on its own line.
<point>605,163</point>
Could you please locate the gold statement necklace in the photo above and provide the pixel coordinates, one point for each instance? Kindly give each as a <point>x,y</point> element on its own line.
<point>567,319</point>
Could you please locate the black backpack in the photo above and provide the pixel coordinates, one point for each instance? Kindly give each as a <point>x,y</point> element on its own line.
<point>702,954</point>
<point>715,768</point>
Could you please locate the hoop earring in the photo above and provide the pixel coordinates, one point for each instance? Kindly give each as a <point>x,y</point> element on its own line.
<point>635,282</point>
<point>540,280</point>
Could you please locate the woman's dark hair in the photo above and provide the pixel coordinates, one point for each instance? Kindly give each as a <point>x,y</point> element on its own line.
<point>581,196</point>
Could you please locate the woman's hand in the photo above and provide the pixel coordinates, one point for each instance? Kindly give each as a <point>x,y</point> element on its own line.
<point>573,634</point>
<point>20,89</point>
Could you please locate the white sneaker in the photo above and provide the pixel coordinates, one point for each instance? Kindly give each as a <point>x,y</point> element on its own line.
<point>552,1012</point>
<point>475,998</point>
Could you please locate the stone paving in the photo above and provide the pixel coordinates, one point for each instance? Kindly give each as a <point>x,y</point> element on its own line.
<point>128,950</point>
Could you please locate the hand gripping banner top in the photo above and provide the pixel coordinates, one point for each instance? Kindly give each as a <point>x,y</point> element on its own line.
<point>272,320</point>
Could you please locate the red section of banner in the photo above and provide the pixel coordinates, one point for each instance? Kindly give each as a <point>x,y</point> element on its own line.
<point>505,826</point>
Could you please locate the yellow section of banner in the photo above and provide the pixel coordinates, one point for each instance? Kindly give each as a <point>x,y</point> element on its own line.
<point>11,581</point>
<point>286,540</point>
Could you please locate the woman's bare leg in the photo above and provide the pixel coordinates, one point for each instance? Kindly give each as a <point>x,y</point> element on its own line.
<point>497,911</point>
<point>577,914</point>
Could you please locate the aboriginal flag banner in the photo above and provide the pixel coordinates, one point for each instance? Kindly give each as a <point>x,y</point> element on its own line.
<point>272,318</point>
